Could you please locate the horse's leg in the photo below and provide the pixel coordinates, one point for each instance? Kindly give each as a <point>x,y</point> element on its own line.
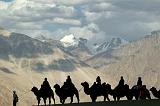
<point>71,99</point>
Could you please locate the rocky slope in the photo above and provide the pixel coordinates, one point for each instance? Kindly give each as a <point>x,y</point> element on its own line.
<point>28,61</point>
<point>139,58</point>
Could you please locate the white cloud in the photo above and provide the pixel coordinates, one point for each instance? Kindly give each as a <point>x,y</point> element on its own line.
<point>65,21</point>
<point>77,2</point>
<point>94,16</point>
<point>88,31</point>
<point>28,25</point>
<point>83,18</point>
<point>3,5</point>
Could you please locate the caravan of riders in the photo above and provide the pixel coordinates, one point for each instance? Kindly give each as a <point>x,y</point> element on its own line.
<point>138,91</point>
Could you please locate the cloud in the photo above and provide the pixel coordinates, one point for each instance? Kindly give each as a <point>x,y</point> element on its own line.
<point>128,19</point>
<point>65,21</point>
<point>28,25</point>
<point>100,19</point>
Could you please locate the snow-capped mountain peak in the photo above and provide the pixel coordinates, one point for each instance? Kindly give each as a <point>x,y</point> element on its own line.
<point>4,32</point>
<point>108,45</point>
<point>69,40</point>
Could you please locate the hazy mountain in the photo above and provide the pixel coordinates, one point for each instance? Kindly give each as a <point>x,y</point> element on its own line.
<point>4,32</point>
<point>76,46</point>
<point>139,58</point>
<point>20,45</point>
<point>115,42</point>
<point>54,43</point>
<point>20,72</point>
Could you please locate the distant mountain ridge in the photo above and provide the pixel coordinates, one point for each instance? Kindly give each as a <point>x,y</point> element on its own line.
<point>115,42</point>
<point>33,59</point>
<point>20,45</point>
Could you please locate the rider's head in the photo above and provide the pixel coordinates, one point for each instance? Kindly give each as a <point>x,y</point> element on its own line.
<point>68,76</point>
<point>45,79</point>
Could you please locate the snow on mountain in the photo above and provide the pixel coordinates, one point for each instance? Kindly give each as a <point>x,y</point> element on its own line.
<point>4,32</point>
<point>76,46</point>
<point>138,58</point>
<point>108,45</point>
<point>69,40</point>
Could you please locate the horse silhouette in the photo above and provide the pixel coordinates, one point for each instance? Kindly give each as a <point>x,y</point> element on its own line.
<point>42,93</point>
<point>94,91</point>
<point>64,92</point>
<point>155,92</point>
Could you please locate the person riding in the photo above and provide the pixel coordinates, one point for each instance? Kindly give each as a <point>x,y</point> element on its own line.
<point>121,82</point>
<point>68,80</point>
<point>46,84</point>
<point>98,80</point>
<point>139,82</point>
<point>15,98</point>
<point>68,84</point>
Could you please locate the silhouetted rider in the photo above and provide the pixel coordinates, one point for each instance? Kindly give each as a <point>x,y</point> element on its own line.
<point>98,80</point>
<point>68,84</point>
<point>139,82</point>
<point>68,80</point>
<point>121,82</point>
<point>98,84</point>
<point>46,84</point>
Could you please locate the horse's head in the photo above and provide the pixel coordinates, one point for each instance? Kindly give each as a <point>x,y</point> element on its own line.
<point>56,86</point>
<point>85,84</point>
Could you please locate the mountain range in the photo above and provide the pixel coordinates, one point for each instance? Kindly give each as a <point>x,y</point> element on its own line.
<point>26,61</point>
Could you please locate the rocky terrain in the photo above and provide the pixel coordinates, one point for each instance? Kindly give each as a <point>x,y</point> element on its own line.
<point>26,61</point>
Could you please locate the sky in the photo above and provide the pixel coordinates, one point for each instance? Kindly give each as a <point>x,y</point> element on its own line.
<point>95,20</point>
